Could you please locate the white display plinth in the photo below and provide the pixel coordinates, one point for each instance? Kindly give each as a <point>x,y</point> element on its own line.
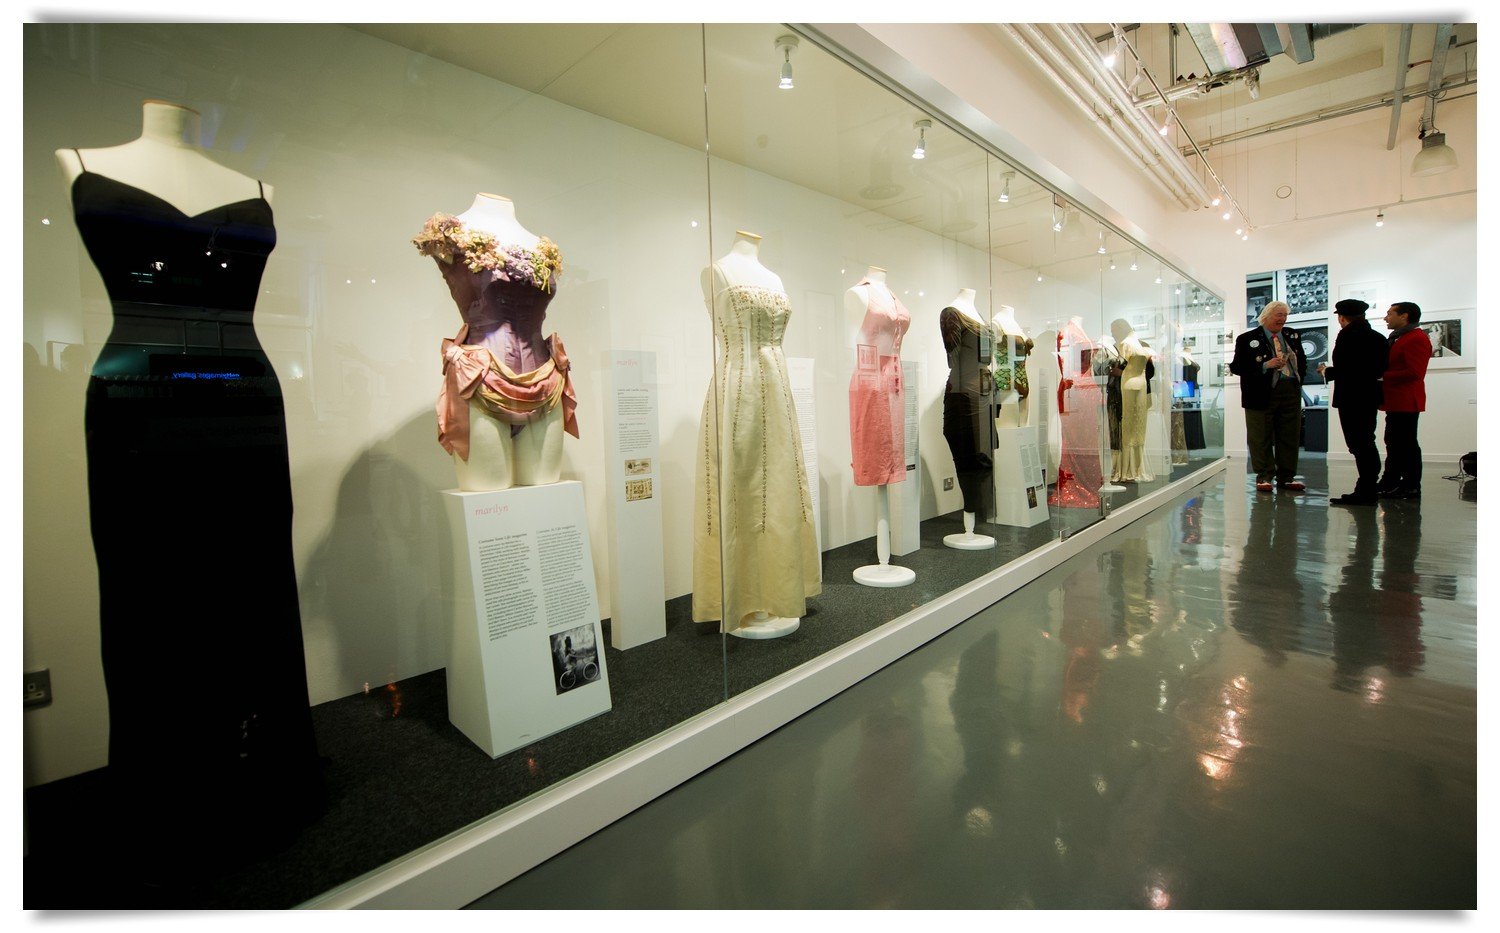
<point>884,575</point>
<point>1020,486</point>
<point>968,540</point>
<point>637,582</point>
<point>767,626</point>
<point>526,656</point>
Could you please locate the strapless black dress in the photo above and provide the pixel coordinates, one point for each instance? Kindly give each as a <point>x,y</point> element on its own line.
<point>190,503</point>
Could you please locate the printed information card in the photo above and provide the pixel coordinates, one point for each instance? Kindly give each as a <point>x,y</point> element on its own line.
<point>527,658</point>
<point>637,579</point>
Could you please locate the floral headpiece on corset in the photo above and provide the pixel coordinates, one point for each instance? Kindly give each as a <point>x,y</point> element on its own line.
<point>447,239</point>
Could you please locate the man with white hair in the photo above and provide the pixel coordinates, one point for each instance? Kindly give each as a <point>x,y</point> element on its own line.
<point>1272,367</point>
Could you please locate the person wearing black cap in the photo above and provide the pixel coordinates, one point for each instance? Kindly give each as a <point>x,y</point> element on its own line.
<point>1359,360</point>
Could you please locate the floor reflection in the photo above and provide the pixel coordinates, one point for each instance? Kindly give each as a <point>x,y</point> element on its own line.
<point>1148,726</point>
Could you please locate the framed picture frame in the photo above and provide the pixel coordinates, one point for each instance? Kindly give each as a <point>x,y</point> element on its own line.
<point>1369,293</point>
<point>1454,343</point>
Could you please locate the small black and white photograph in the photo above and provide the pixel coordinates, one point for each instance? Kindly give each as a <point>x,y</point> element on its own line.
<point>575,658</point>
<point>1315,348</point>
<point>1304,289</point>
<point>1447,338</point>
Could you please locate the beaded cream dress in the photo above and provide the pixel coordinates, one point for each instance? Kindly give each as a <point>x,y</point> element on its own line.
<point>754,548</point>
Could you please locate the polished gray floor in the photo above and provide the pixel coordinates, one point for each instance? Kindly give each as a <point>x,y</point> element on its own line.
<point>1244,700</point>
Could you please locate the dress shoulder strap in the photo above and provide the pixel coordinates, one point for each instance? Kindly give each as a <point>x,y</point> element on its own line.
<point>262,185</point>
<point>80,160</point>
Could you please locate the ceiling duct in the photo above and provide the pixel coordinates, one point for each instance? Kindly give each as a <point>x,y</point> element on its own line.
<point>1232,47</point>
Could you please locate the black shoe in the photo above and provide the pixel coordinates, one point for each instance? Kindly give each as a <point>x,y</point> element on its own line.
<point>1353,499</point>
<point>1402,494</point>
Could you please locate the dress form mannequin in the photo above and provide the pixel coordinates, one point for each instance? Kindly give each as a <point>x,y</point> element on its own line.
<point>1135,405</point>
<point>755,557</point>
<point>1013,405</point>
<point>968,540</point>
<point>497,460</point>
<point>1108,367</point>
<point>181,244</point>
<point>165,160</point>
<point>877,359</point>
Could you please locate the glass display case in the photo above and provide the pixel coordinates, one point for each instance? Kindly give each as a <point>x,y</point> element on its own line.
<point>446,411</point>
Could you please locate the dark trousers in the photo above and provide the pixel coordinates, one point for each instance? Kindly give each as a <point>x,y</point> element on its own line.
<point>1274,434</point>
<point>1403,458</point>
<point>1359,436</point>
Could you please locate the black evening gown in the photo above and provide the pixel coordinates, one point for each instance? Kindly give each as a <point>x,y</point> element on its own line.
<point>969,410</point>
<point>211,748</point>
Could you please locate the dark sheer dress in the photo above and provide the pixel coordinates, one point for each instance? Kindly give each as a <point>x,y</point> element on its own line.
<point>969,409</point>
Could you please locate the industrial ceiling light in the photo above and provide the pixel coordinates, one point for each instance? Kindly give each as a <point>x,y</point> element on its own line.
<point>785,45</point>
<point>921,127</point>
<point>1380,218</point>
<point>1112,53</point>
<point>1102,250</point>
<point>1436,156</point>
<point>1005,191</point>
<point>1057,222</point>
<point>1135,263</point>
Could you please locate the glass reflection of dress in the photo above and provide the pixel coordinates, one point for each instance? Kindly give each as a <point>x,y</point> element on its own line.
<point>754,549</point>
<point>1080,473</point>
<point>1135,406</point>
<point>191,517</point>
<point>968,408</point>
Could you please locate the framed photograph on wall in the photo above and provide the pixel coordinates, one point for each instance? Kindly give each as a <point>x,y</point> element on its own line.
<point>1452,336</point>
<point>1369,293</point>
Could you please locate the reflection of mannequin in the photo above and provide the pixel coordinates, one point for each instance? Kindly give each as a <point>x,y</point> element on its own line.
<point>1179,417</point>
<point>1011,385</point>
<point>513,382</point>
<point>1044,374</point>
<point>969,413</point>
<point>184,411</point>
<point>1135,405</point>
<point>1107,364</point>
<point>754,556</point>
<point>877,411</point>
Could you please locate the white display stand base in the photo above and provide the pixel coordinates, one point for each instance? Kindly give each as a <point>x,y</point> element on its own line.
<point>884,575</point>
<point>1020,486</point>
<point>968,540</point>
<point>766,626</point>
<point>526,658</point>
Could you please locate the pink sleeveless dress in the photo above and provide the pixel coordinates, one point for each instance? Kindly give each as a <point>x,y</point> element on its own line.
<point>877,409</point>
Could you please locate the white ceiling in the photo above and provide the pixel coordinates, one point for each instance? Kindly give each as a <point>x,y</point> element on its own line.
<point>837,132</point>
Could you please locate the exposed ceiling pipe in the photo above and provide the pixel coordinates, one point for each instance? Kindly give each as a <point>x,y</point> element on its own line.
<point>1110,132</point>
<point>1403,55</point>
<point>1080,80</point>
<point>1077,41</point>
<point>1435,74</point>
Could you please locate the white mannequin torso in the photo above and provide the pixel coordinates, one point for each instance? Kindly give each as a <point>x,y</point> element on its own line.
<point>1005,322</point>
<point>165,161</point>
<point>496,215</point>
<point>740,266</point>
<point>963,303</point>
<point>857,301</point>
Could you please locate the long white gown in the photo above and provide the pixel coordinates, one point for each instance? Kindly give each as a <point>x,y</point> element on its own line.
<point>754,549</point>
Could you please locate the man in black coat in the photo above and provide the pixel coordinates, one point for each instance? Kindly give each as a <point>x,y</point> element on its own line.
<point>1359,357</point>
<point>1272,367</point>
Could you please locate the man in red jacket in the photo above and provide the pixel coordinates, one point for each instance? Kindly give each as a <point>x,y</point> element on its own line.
<point>1405,398</point>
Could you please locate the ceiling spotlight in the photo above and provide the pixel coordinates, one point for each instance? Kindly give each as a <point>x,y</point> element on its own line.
<point>1158,278</point>
<point>1135,264</point>
<point>785,45</point>
<point>1436,156</point>
<point>1057,222</point>
<point>1111,263</point>
<point>1101,241</point>
<point>921,127</point>
<point>1245,235</point>
<point>1038,276</point>
<point>1178,290</point>
<point>1216,201</point>
<point>1380,218</point>
<point>1225,215</point>
<point>1239,230</point>
<point>1005,191</point>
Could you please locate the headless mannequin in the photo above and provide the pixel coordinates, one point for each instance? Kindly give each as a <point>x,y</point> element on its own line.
<point>1111,366</point>
<point>968,540</point>
<point>742,266</point>
<point>1012,412</point>
<point>1130,346</point>
<point>497,460</point>
<point>166,161</point>
<point>856,302</point>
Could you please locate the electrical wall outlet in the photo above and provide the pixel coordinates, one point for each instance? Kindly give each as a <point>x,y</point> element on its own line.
<point>38,688</point>
<point>947,483</point>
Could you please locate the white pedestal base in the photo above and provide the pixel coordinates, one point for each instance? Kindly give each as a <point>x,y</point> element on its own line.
<point>764,626</point>
<point>969,541</point>
<point>1111,488</point>
<point>884,575</point>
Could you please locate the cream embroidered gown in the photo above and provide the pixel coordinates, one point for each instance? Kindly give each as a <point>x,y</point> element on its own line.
<point>754,543</point>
